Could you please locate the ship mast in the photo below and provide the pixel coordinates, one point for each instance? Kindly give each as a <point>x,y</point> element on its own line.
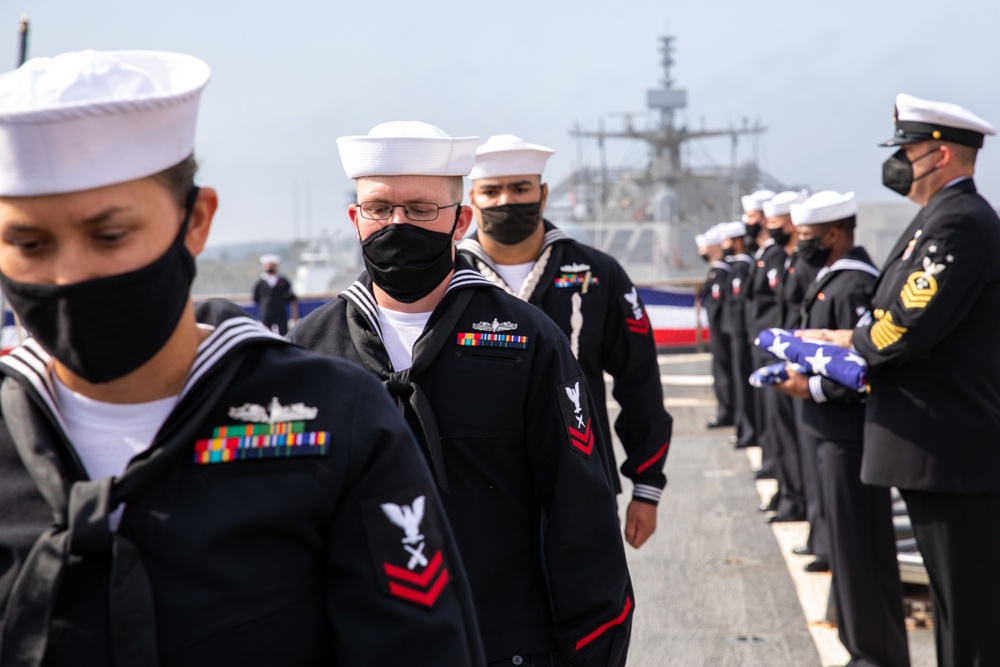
<point>666,139</point>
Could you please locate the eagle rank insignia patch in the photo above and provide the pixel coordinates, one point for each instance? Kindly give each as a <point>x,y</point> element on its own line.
<point>638,323</point>
<point>277,431</point>
<point>576,416</point>
<point>405,542</point>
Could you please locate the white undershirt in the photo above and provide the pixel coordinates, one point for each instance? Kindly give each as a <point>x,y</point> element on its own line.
<point>107,435</point>
<point>515,274</point>
<point>399,332</point>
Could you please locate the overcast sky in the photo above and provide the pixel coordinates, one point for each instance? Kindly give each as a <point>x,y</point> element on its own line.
<point>289,78</point>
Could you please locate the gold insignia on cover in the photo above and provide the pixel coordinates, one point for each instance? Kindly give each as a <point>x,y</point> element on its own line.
<point>884,333</point>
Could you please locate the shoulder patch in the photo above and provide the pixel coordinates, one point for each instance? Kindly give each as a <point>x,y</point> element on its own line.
<point>576,415</point>
<point>637,321</point>
<point>405,539</point>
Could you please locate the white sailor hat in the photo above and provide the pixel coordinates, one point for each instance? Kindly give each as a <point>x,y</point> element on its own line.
<point>732,230</point>
<point>712,236</point>
<point>780,203</point>
<point>407,148</point>
<point>509,155</point>
<point>88,119</point>
<point>825,206</point>
<point>922,120</point>
<point>755,201</point>
<point>270,259</point>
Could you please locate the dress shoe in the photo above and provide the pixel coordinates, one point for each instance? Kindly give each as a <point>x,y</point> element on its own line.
<point>803,550</point>
<point>817,566</point>
<point>719,422</point>
<point>760,473</point>
<point>785,517</point>
<point>770,505</point>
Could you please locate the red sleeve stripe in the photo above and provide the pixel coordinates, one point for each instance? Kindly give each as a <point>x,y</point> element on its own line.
<point>660,453</point>
<point>411,577</point>
<point>607,626</point>
<point>427,598</point>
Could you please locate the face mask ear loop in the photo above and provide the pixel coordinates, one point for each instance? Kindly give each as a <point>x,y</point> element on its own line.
<point>189,202</point>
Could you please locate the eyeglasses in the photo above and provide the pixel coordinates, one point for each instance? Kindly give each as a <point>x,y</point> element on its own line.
<point>420,211</point>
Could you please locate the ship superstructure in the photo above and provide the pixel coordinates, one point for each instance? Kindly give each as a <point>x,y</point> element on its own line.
<point>647,217</point>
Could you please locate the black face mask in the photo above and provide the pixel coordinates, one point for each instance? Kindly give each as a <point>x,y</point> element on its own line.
<point>408,261</point>
<point>812,253</point>
<point>780,236</point>
<point>753,230</point>
<point>727,252</point>
<point>897,172</point>
<point>511,223</point>
<point>271,272</point>
<point>105,328</point>
<point>705,258</point>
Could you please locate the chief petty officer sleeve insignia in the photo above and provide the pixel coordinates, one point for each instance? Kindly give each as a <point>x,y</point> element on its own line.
<point>921,286</point>
<point>278,431</point>
<point>638,323</point>
<point>405,540</point>
<point>576,416</point>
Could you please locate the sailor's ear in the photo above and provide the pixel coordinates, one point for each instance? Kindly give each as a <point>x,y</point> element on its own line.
<point>202,212</point>
<point>464,222</point>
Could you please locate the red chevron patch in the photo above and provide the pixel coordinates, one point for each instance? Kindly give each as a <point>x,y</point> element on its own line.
<point>424,588</point>
<point>640,327</point>
<point>582,441</point>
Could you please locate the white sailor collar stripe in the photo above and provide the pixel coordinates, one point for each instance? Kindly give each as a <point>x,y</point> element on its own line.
<point>33,363</point>
<point>472,246</point>
<point>226,336</point>
<point>721,265</point>
<point>361,295</point>
<point>760,251</point>
<point>847,264</point>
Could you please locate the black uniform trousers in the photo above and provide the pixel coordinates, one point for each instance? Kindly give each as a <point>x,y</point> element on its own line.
<point>866,581</point>
<point>816,515</point>
<point>959,539</point>
<point>720,345</point>
<point>743,394</point>
<point>763,404</point>
<point>782,435</point>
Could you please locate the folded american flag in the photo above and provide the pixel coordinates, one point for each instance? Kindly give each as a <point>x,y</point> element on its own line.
<point>841,365</point>
<point>774,374</point>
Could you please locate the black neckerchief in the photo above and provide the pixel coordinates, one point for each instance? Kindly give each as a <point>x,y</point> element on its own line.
<point>81,509</point>
<point>366,336</point>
